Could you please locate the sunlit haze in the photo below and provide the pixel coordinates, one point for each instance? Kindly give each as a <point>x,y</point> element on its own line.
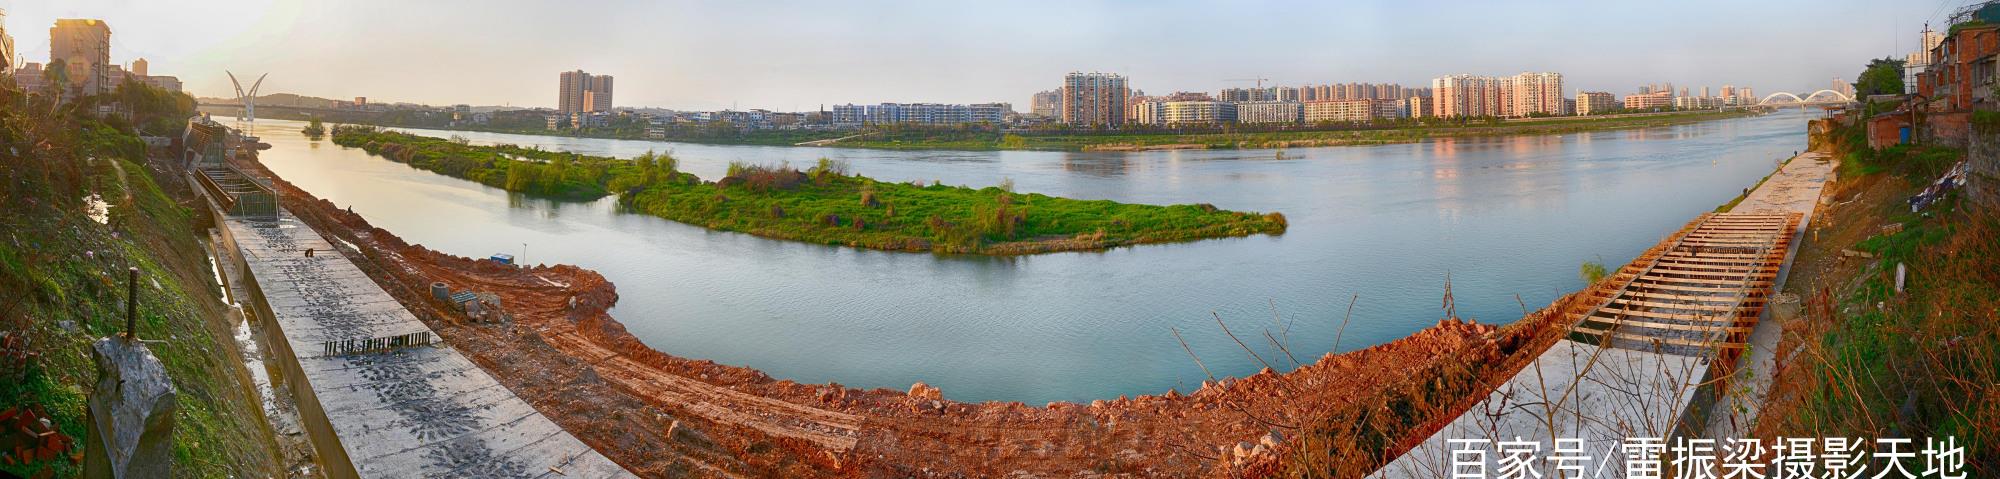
<point>799,55</point>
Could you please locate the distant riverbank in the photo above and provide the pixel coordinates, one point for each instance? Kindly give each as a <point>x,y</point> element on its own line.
<point>1116,141</point>
<point>978,139</point>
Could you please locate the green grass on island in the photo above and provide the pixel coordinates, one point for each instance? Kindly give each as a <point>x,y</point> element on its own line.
<point>824,204</point>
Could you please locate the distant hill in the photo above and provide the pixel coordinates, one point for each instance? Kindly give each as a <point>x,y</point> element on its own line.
<point>302,101</point>
<point>279,99</point>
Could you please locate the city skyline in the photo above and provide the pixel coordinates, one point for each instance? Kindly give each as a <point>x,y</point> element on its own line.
<point>714,56</point>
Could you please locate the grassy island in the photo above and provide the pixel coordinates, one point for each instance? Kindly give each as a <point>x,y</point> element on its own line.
<point>824,204</point>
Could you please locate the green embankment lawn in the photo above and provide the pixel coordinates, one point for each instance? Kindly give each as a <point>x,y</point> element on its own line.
<point>62,285</point>
<point>825,204</point>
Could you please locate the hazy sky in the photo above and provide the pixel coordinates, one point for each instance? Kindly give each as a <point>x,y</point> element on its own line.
<point>798,55</point>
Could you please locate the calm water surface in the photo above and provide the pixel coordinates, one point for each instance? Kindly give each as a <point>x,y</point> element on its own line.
<point>1501,216</point>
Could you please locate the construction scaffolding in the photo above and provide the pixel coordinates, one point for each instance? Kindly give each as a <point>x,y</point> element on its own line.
<point>1697,294</point>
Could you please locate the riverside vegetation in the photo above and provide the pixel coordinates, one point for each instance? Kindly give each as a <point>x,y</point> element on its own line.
<point>82,203</point>
<point>1869,360</point>
<point>825,204</point>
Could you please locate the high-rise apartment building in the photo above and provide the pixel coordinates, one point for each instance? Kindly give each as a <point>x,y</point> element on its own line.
<point>1466,96</point>
<point>1173,113</point>
<point>1047,104</point>
<point>1595,102</point>
<point>1285,93</point>
<point>600,93</point>
<point>1419,107</point>
<point>1353,111</point>
<point>84,46</point>
<point>1520,95</point>
<point>1269,112</point>
<point>1248,94</point>
<point>936,114</point>
<point>1094,99</point>
<point>1359,91</point>
<point>1531,94</point>
<point>582,92</point>
<point>1647,101</point>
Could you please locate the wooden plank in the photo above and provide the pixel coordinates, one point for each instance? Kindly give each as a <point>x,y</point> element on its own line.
<point>1666,326</point>
<point>1738,265</point>
<point>1743,266</point>
<point>1730,306</point>
<point>1720,344</point>
<point>1706,318</point>
<point>1665,271</point>
<point>1665,274</point>
<point>1765,261</point>
<point>1733,284</point>
<point>1760,237</point>
<point>1673,287</point>
<point>1685,254</point>
<point>1729,243</point>
<point>1692,297</point>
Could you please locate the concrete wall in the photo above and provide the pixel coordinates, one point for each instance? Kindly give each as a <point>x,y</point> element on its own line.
<point>1948,129</point>
<point>1983,180</point>
<point>330,456</point>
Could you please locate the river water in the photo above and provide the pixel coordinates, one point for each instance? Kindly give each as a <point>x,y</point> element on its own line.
<point>1501,216</point>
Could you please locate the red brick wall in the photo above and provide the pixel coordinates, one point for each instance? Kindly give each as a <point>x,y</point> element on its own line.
<point>1886,131</point>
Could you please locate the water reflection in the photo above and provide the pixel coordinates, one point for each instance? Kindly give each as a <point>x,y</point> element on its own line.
<point>1501,215</point>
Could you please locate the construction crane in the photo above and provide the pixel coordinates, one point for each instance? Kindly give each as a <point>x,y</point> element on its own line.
<point>1260,81</point>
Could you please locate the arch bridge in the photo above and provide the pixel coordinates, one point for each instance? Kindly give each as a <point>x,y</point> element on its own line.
<point>1822,97</point>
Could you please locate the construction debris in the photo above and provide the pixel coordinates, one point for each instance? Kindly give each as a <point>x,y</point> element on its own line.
<point>27,436</point>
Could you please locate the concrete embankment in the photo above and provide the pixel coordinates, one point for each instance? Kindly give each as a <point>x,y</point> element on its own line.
<point>1660,341</point>
<point>375,396</point>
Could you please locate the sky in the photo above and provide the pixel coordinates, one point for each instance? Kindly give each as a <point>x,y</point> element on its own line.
<point>799,55</point>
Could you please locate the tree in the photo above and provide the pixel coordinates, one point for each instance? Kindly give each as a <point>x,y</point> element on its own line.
<point>1883,76</point>
<point>1592,272</point>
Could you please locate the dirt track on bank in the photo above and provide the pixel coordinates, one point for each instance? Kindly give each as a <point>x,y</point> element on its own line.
<point>662,415</point>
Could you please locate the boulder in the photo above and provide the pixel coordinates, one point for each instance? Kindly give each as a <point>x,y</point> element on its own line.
<point>925,391</point>
<point>131,413</point>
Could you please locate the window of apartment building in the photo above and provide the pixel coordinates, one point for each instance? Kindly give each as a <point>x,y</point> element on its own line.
<point>1983,69</point>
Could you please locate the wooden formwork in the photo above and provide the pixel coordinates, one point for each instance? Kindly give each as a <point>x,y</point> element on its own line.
<point>1697,293</point>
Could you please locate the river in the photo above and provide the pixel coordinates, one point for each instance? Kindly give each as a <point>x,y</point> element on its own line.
<point>1499,216</point>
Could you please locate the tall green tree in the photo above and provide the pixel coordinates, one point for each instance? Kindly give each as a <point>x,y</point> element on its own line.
<point>1884,76</point>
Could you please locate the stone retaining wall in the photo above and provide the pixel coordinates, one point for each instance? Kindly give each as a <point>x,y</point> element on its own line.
<point>1983,180</point>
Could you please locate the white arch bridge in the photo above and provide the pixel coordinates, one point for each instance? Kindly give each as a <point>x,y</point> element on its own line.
<point>1822,97</point>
